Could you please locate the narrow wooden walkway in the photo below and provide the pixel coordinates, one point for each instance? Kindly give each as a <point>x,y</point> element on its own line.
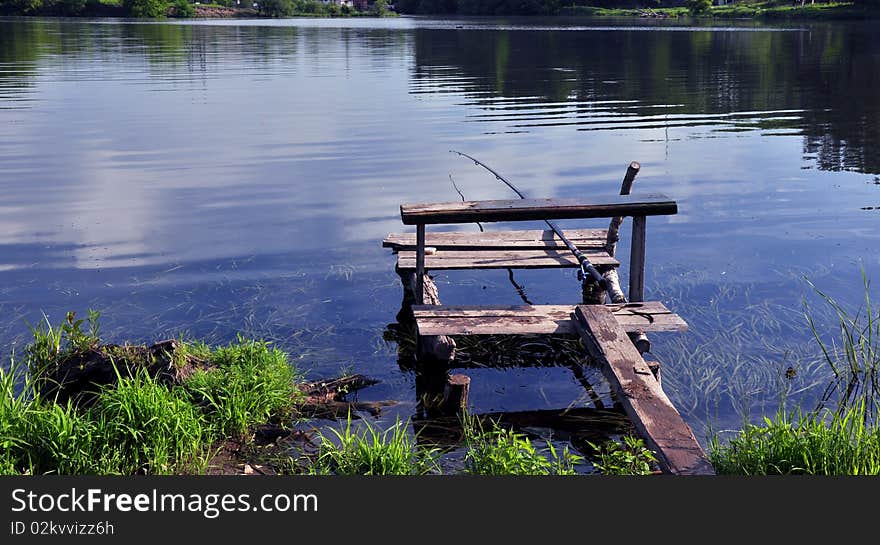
<point>614,334</point>
<point>654,416</point>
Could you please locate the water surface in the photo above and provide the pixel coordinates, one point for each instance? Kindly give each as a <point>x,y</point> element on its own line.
<point>211,178</point>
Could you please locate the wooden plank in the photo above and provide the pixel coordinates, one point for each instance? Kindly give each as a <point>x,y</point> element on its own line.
<point>531,239</point>
<point>653,415</point>
<point>450,311</point>
<point>482,311</point>
<point>538,325</point>
<point>501,259</point>
<point>536,319</point>
<point>498,325</point>
<point>537,209</point>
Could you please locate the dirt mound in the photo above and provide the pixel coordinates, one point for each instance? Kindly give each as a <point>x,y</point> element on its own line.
<point>80,374</point>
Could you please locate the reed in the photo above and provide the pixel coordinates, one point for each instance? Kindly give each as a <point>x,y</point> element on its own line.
<point>853,355</point>
<point>841,436</point>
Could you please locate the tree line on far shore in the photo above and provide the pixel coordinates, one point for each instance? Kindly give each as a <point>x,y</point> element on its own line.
<point>98,8</point>
<point>574,7</point>
<point>317,8</point>
<point>179,8</point>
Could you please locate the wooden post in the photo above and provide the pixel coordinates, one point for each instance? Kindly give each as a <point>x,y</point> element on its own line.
<point>420,263</point>
<point>612,280</point>
<point>455,394</point>
<point>614,228</point>
<point>431,383</point>
<point>591,293</point>
<point>637,260</point>
<point>436,348</point>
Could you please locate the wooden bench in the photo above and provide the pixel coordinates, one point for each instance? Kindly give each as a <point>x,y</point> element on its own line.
<point>520,249</point>
<point>609,331</point>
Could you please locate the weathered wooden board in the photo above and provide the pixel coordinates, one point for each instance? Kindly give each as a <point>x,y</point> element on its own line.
<point>653,415</point>
<point>498,325</point>
<point>649,307</point>
<point>501,259</point>
<point>537,209</point>
<point>537,319</point>
<point>489,240</point>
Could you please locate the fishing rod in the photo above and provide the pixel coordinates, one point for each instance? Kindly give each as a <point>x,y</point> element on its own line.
<point>587,268</point>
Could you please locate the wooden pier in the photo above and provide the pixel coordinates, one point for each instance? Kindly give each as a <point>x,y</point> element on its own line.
<point>614,333</point>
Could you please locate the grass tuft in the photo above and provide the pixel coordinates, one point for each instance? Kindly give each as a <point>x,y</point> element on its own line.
<point>502,451</point>
<point>138,424</point>
<point>253,383</point>
<point>628,457</point>
<point>368,451</point>
<point>147,427</point>
<point>854,355</point>
<point>824,443</point>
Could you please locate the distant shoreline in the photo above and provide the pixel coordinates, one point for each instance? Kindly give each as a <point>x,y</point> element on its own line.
<point>772,10</point>
<point>116,8</point>
<point>742,10</point>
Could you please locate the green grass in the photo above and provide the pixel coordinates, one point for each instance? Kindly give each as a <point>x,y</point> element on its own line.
<point>40,436</point>
<point>253,383</point>
<point>824,443</point>
<point>774,10</point>
<point>629,456</point>
<point>139,424</point>
<point>502,451</point>
<point>147,427</point>
<point>369,451</point>
<point>618,12</point>
<point>842,435</point>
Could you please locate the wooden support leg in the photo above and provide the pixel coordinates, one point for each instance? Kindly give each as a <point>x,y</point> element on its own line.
<point>637,260</point>
<point>637,276</point>
<point>428,347</point>
<point>430,388</point>
<point>638,338</point>
<point>420,264</point>
<point>592,293</point>
<point>455,395</point>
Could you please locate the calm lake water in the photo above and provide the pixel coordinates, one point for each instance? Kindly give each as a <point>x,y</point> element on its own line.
<point>212,178</point>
